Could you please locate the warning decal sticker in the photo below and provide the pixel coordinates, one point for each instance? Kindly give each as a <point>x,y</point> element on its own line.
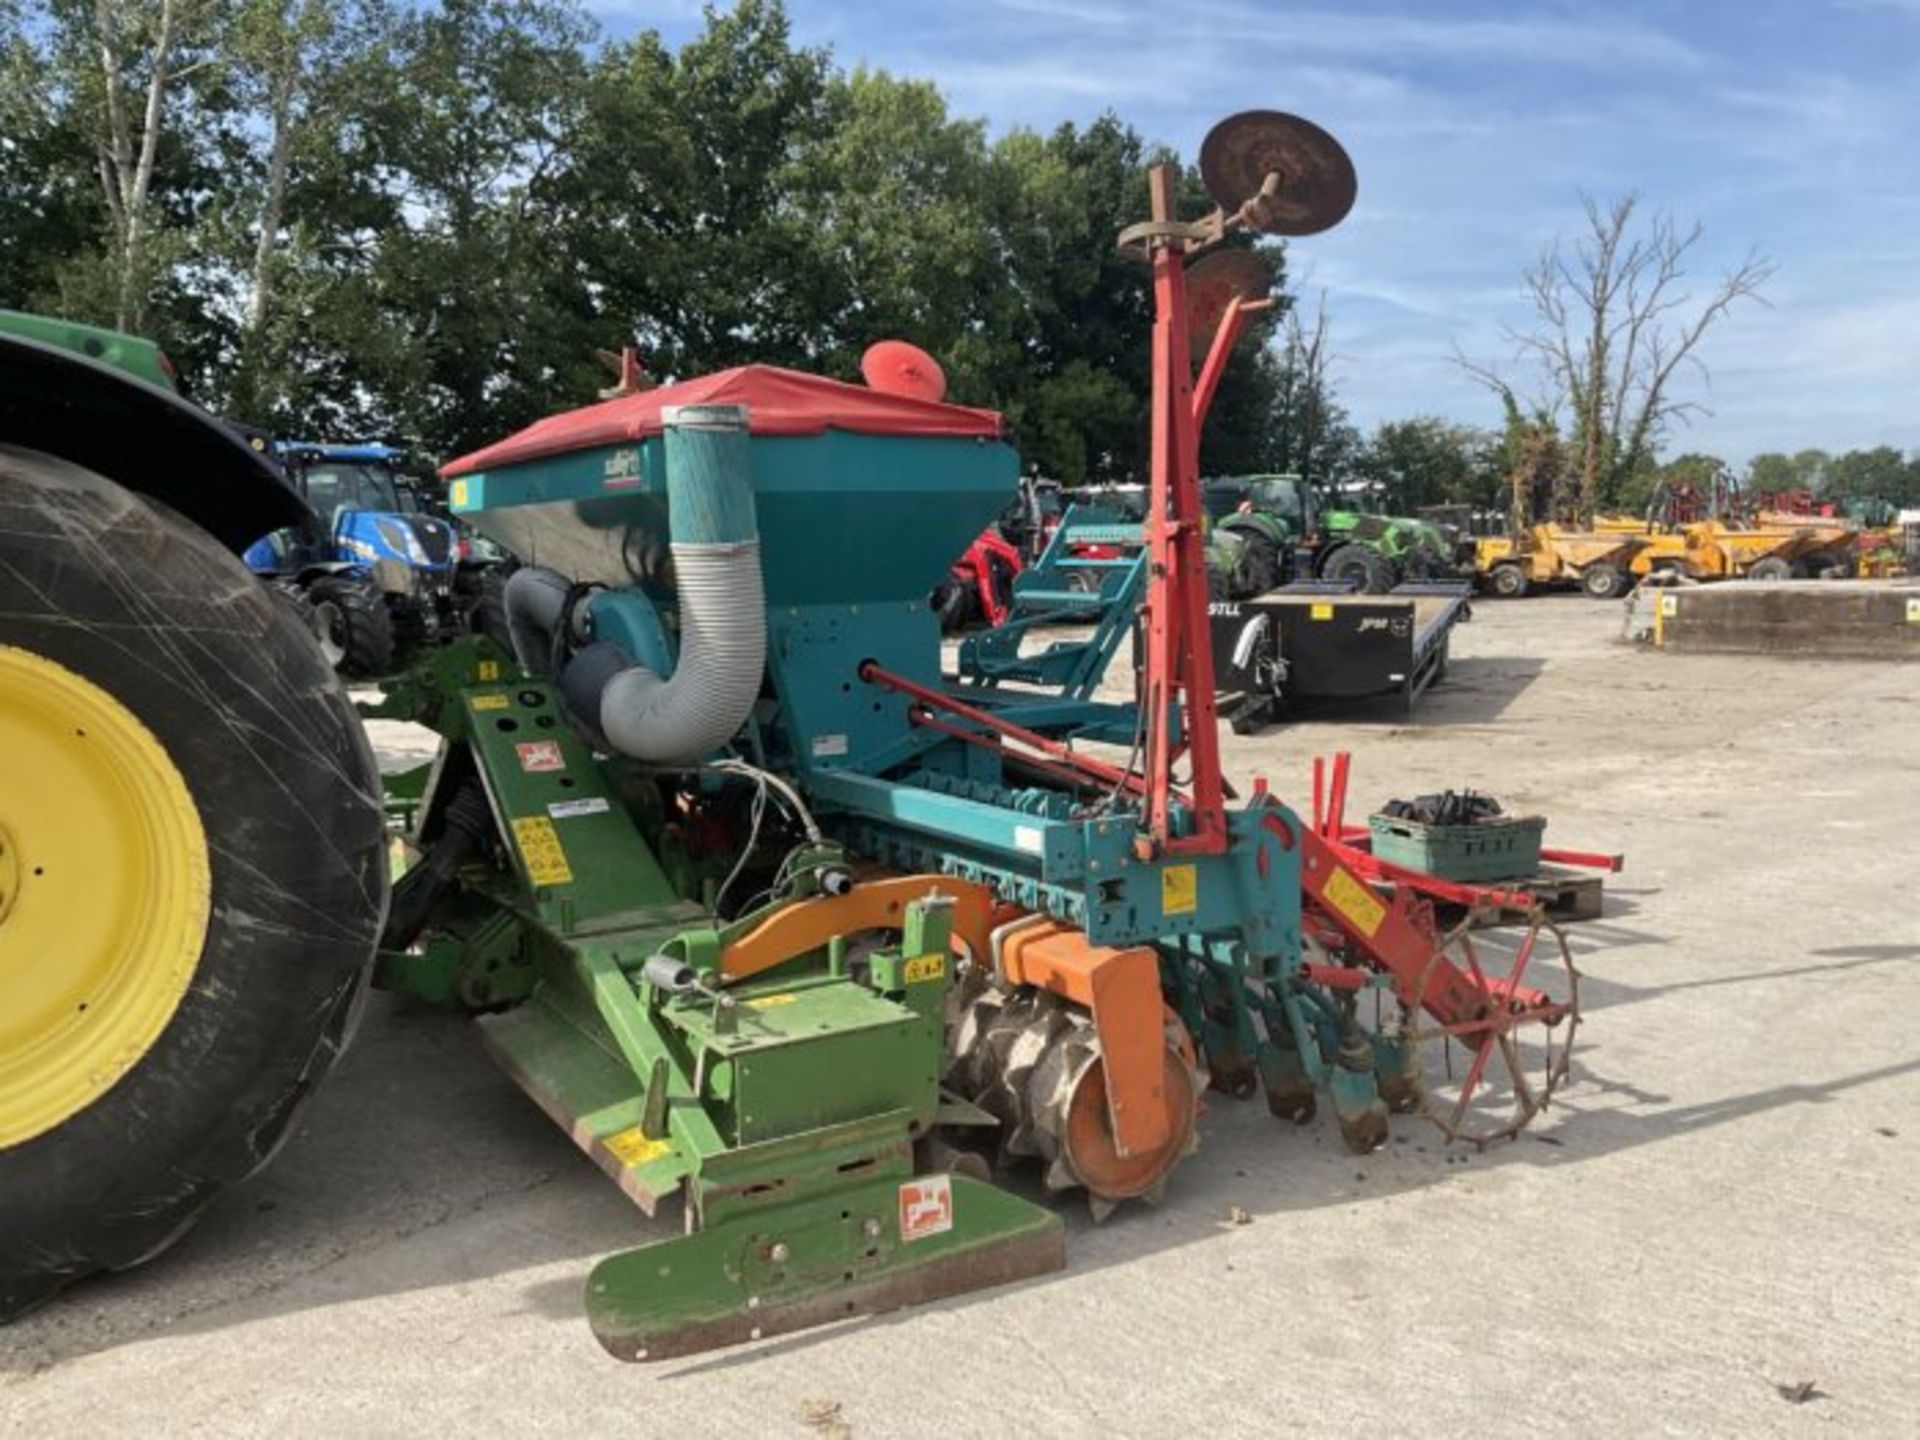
<point>632,1147</point>
<point>540,848</point>
<point>1355,901</point>
<point>1179,890</point>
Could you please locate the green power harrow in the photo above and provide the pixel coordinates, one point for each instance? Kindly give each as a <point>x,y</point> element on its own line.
<point>766,912</point>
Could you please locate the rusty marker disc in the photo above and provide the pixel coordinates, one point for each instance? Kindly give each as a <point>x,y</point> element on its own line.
<point>1214,282</point>
<point>1317,184</point>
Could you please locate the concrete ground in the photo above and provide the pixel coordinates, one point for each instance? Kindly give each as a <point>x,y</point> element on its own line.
<point>1725,1207</point>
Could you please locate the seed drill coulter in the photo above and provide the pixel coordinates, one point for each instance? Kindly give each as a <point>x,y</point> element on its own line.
<point>762,909</point>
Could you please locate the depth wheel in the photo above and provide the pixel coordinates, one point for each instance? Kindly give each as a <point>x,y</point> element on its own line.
<point>1476,1080</point>
<point>192,874</point>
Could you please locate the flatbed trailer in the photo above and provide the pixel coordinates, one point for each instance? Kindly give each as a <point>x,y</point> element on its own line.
<point>1319,643</point>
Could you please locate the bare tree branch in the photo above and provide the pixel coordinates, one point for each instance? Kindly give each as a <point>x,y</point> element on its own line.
<point>1613,325</point>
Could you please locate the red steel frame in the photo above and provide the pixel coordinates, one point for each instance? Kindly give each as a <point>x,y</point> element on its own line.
<point>1178,674</point>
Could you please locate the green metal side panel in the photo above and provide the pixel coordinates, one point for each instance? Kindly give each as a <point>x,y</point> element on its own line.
<point>575,847</point>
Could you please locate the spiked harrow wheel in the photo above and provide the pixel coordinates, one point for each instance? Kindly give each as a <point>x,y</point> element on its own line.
<point>1488,1093</point>
<point>1035,1063</point>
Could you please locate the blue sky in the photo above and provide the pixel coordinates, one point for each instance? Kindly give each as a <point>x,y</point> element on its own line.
<point>1787,125</point>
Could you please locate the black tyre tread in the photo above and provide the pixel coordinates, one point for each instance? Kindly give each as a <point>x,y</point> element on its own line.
<point>152,608</point>
<point>1770,567</point>
<point>489,614</point>
<point>1261,566</point>
<point>1816,563</point>
<point>1359,562</point>
<point>371,643</point>
<point>953,605</point>
<point>1496,574</point>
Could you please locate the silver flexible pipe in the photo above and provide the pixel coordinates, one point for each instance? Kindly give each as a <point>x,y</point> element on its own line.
<point>682,719</point>
<point>534,599</point>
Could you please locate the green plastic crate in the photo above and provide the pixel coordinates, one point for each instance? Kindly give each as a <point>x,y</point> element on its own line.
<point>1503,849</point>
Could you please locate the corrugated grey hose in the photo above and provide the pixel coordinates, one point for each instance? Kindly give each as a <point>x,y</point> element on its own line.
<point>682,719</point>
<point>535,600</point>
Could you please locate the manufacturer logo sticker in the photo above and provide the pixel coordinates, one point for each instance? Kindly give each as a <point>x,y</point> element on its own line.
<point>622,469</point>
<point>565,809</point>
<point>926,1207</point>
<point>540,755</point>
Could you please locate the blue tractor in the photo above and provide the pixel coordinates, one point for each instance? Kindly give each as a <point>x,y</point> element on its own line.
<point>374,572</point>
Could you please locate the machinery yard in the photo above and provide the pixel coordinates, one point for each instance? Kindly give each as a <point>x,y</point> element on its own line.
<point>967,848</point>
<point>1712,1230</point>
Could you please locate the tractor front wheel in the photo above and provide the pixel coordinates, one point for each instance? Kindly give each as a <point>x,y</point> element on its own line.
<point>353,624</point>
<point>192,874</point>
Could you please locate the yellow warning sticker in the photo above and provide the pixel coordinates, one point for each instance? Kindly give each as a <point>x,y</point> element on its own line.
<point>1669,604</point>
<point>1179,890</point>
<point>1355,901</point>
<point>495,701</point>
<point>921,968</point>
<point>457,495</point>
<point>1913,612</point>
<point>487,670</point>
<point>540,848</point>
<point>767,1002</point>
<point>1322,612</point>
<point>632,1147</point>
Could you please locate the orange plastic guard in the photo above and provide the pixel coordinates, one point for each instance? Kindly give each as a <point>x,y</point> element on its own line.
<point>1122,990</point>
<point>871,905</point>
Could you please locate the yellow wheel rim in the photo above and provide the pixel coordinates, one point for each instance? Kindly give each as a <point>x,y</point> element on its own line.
<point>105,892</point>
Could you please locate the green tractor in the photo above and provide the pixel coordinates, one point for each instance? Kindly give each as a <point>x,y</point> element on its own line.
<point>1271,529</point>
<point>193,868</point>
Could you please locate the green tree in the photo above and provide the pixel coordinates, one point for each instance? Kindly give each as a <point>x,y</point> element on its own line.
<point>1426,460</point>
<point>1882,472</point>
<point>49,199</point>
<point>458,313</point>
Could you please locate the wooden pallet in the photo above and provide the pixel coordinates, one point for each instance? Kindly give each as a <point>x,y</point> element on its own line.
<point>1567,895</point>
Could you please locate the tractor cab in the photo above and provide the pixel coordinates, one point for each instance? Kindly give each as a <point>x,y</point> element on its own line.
<point>371,512</point>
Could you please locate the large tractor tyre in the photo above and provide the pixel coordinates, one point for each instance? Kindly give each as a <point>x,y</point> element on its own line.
<point>1826,565</point>
<point>1770,567</point>
<point>192,874</point>
<point>1603,581</point>
<point>1361,563</point>
<point>355,627</point>
<point>1508,581</point>
<point>952,603</point>
<point>1259,564</point>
